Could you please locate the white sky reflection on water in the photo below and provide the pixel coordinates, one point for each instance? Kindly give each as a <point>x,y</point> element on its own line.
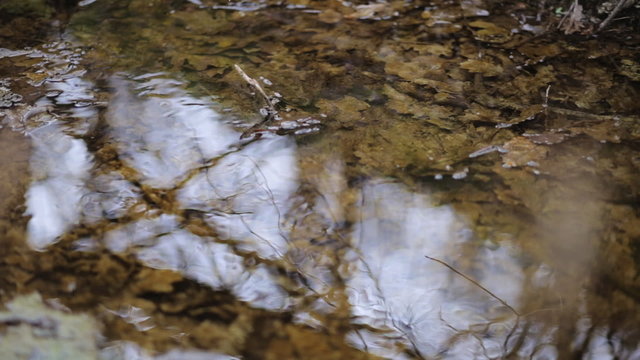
<point>60,163</point>
<point>162,132</point>
<point>395,288</point>
<point>60,166</point>
<point>245,192</point>
<point>165,134</point>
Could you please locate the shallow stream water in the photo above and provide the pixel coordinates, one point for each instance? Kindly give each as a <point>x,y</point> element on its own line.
<point>430,180</point>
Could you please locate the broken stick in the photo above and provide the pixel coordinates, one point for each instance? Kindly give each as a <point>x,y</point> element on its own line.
<point>256,86</point>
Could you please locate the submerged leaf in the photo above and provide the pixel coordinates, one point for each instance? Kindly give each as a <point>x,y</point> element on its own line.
<point>431,49</point>
<point>477,112</point>
<point>489,32</point>
<point>484,67</point>
<point>372,11</point>
<point>330,16</point>
<point>202,62</point>
<point>522,152</point>
<point>539,52</point>
<point>347,111</point>
<point>528,113</point>
<point>419,67</point>
<point>406,105</point>
<point>630,69</point>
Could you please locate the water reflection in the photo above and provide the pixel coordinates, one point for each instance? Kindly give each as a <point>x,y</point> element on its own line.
<point>291,233</point>
<point>110,196</point>
<point>176,141</point>
<point>186,236</point>
<point>163,133</point>
<point>60,161</point>
<point>246,193</point>
<point>404,295</point>
<point>60,165</point>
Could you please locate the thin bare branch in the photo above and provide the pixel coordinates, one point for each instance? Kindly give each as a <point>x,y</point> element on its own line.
<point>622,4</point>
<point>475,283</point>
<point>256,86</point>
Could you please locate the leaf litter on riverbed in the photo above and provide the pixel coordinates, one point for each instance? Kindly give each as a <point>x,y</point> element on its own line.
<point>408,92</point>
<point>520,151</point>
<point>350,50</point>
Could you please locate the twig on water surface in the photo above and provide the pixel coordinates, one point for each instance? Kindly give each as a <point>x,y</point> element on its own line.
<point>271,112</point>
<point>475,283</point>
<point>256,86</point>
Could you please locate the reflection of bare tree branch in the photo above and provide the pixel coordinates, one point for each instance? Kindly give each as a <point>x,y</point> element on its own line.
<point>409,336</point>
<point>208,164</point>
<point>280,255</point>
<point>271,197</point>
<point>326,203</point>
<point>225,199</point>
<point>364,343</point>
<point>515,312</point>
<point>584,347</point>
<point>302,274</point>
<point>541,346</point>
<point>475,283</point>
<point>460,333</point>
<point>520,340</point>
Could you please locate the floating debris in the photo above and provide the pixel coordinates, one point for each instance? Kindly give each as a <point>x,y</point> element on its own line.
<point>522,151</point>
<point>289,121</point>
<point>548,138</point>
<point>487,150</point>
<point>459,175</point>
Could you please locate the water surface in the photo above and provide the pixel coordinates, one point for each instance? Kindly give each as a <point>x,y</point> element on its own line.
<point>441,181</point>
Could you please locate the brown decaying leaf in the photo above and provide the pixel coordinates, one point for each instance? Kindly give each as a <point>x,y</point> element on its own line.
<point>522,152</point>
<point>347,111</point>
<point>484,67</point>
<point>489,32</point>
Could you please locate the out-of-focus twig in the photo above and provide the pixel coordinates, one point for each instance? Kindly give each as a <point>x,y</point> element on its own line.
<point>622,4</point>
<point>572,21</point>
